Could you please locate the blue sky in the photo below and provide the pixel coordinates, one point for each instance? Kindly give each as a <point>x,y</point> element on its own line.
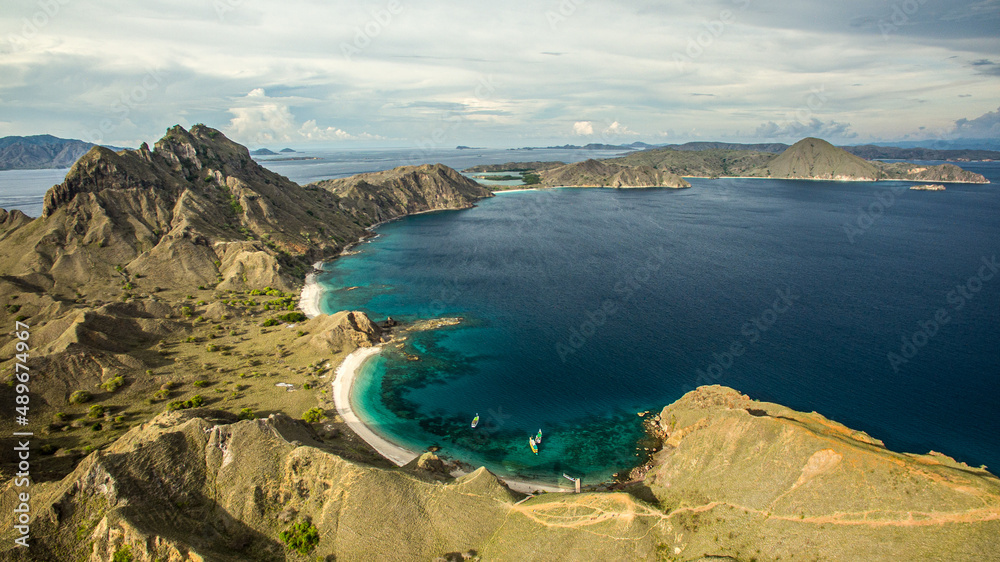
<point>519,73</point>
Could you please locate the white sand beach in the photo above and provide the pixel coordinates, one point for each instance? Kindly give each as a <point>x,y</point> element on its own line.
<point>342,385</point>
<point>312,294</point>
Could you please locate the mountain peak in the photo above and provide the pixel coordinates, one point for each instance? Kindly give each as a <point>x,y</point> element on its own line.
<point>813,158</point>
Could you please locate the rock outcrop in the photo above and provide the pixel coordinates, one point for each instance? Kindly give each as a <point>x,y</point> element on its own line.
<point>380,196</point>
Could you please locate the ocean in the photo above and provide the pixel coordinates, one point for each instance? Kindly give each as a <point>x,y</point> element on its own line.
<point>872,304</point>
<point>866,302</point>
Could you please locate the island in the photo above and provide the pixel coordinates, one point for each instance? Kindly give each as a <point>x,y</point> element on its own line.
<point>166,286</point>
<point>808,159</point>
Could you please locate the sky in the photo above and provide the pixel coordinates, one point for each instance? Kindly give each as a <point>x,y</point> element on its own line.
<point>304,73</point>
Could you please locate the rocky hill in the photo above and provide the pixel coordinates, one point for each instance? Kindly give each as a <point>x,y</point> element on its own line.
<point>40,151</point>
<point>603,173</point>
<point>154,269</point>
<point>736,479</point>
<point>381,196</point>
<point>817,159</point>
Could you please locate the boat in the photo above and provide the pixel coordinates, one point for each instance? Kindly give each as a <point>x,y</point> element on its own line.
<point>538,438</point>
<point>475,421</point>
<point>531,443</point>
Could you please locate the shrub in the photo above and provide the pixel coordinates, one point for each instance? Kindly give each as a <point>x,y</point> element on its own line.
<point>113,384</point>
<point>247,414</point>
<point>301,537</point>
<point>270,322</point>
<point>60,416</point>
<point>96,411</point>
<point>201,384</point>
<point>79,397</point>
<point>211,347</point>
<point>187,311</point>
<point>314,415</point>
<point>123,554</point>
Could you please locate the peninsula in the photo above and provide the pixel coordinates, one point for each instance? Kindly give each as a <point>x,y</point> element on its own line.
<point>183,407</point>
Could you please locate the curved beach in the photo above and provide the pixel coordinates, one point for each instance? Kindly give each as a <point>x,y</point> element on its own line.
<point>343,383</point>
<point>312,294</point>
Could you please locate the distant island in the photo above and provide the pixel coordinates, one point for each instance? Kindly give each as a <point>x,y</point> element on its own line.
<point>809,159</point>
<point>263,152</point>
<point>591,146</point>
<point>286,150</point>
<point>40,152</point>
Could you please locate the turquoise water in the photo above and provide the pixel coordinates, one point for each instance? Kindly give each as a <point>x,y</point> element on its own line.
<point>583,307</point>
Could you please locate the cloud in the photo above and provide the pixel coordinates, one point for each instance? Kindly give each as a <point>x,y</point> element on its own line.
<point>797,130</point>
<point>619,130</point>
<point>987,67</point>
<point>983,127</point>
<point>312,132</point>
<point>259,119</point>
<point>583,128</point>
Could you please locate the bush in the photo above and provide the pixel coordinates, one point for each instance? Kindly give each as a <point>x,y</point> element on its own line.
<point>211,348</point>
<point>314,415</point>
<point>301,537</point>
<point>79,397</point>
<point>270,322</point>
<point>96,411</point>
<point>247,414</point>
<point>194,402</point>
<point>201,384</point>
<point>113,384</point>
<point>123,554</point>
<point>293,317</point>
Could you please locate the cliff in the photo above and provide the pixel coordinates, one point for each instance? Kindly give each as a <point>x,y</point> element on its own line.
<point>380,196</point>
<point>736,479</point>
<point>154,273</point>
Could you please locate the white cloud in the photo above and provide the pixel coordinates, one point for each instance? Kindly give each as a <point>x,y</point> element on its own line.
<point>616,129</point>
<point>259,119</point>
<point>986,126</point>
<point>583,128</point>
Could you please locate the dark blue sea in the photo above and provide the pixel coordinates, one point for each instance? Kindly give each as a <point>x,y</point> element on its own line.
<point>872,304</point>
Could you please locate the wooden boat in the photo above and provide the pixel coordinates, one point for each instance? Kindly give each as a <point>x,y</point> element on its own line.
<point>538,438</point>
<point>531,443</point>
<point>475,421</point>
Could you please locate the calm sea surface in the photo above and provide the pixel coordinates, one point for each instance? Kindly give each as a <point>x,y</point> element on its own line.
<point>583,307</point>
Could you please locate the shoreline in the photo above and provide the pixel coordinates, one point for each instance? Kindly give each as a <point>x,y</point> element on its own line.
<point>311,295</point>
<point>343,385</point>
